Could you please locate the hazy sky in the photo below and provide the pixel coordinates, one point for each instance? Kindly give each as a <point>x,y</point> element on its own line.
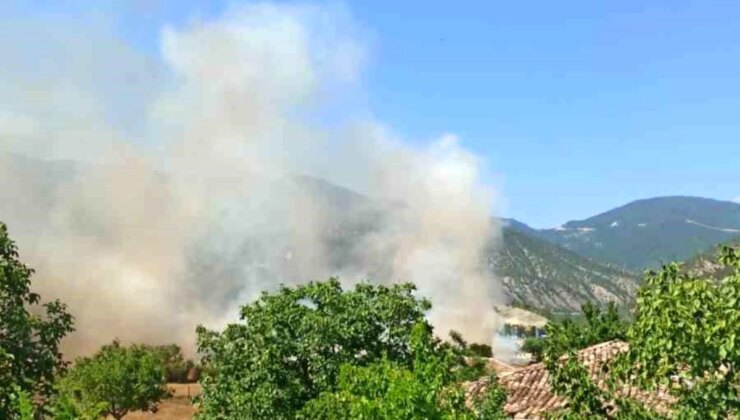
<point>577,106</point>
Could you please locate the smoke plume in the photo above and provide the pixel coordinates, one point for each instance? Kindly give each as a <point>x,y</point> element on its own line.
<point>156,193</point>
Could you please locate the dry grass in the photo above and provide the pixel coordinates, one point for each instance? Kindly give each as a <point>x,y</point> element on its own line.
<point>177,407</point>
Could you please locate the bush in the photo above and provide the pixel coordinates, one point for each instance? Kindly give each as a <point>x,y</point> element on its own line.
<point>114,381</point>
<point>30,359</point>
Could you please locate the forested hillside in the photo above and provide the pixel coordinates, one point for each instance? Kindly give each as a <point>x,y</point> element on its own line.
<point>645,233</point>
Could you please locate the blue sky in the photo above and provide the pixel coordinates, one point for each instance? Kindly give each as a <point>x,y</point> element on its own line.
<point>577,106</point>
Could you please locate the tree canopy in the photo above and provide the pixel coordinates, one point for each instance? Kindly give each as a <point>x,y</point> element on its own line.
<point>317,350</point>
<point>177,368</point>
<point>428,389</point>
<point>30,332</point>
<point>114,381</point>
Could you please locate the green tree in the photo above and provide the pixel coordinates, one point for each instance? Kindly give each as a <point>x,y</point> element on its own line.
<point>481,350</point>
<point>470,349</point>
<point>684,339</point>
<point>30,333</point>
<point>686,335</point>
<point>23,407</point>
<point>535,346</point>
<point>116,380</point>
<point>596,326</point>
<point>314,340</point>
<point>173,360</point>
<point>65,407</point>
<point>427,389</point>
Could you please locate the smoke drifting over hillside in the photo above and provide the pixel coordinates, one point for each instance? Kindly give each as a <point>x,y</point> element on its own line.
<point>186,200</point>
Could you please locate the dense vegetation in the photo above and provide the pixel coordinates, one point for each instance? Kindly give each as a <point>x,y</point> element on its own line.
<point>177,369</point>
<point>318,350</point>
<point>29,343</point>
<point>424,389</point>
<point>114,381</point>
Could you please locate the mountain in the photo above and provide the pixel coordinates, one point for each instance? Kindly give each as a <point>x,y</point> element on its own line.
<point>519,226</point>
<point>645,233</point>
<point>546,276</point>
<point>705,263</point>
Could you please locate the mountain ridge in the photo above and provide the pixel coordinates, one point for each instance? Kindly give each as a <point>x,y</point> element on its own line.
<point>645,233</point>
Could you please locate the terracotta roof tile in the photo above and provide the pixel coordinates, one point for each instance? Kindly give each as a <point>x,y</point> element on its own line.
<point>529,394</point>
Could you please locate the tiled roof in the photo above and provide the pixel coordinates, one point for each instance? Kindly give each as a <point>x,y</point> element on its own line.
<point>529,394</point>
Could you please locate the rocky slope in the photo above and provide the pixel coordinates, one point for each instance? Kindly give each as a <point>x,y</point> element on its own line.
<point>545,276</point>
<point>705,264</point>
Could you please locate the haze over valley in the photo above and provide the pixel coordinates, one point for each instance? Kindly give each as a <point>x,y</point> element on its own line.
<point>556,270</point>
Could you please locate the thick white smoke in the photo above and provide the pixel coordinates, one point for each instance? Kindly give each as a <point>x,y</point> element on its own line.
<point>198,177</point>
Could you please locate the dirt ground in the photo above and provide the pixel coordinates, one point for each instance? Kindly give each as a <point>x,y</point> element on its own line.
<point>177,407</point>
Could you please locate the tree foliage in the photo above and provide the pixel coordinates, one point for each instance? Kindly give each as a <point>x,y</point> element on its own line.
<point>490,405</point>
<point>427,389</point>
<point>22,406</point>
<point>596,326</point>
<point>535,346</point>
<point>683,340</point>
<point>470,349</point>
<point>30,333</point>
<point>686,337</point>
<point>114,381</point>
<point>177,368</point>
<point>340,346</point>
